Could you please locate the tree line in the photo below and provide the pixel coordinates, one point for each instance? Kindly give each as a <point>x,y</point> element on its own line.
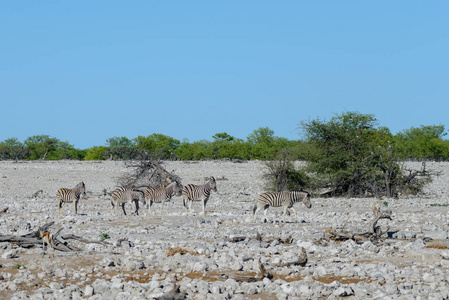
<point>417,143</point>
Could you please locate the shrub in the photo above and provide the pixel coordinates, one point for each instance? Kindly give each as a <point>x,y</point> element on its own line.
<point>283,176</point>
<point>97,153</point>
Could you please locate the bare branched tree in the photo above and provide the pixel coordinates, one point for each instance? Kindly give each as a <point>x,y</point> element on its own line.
<point>146,171</point>
<point>414,180</point>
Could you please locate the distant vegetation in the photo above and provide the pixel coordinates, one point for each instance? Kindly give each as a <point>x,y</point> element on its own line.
<point>416,143</point>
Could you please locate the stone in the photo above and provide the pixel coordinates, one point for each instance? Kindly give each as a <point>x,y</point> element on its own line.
<point>10,254</point>
<point>88,291</point>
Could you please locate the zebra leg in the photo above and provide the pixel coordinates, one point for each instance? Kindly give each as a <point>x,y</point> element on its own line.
<point>123,207</point>
<point>296,214</point>
<point>75,207</point>
<point>60,208</point>
<point>285,212</point>
<point>137,207</point>
<point>185,202</point>
<point>190,206</point>
<point>149,207</point>
<point>204,206</point>
<point>265,213</point>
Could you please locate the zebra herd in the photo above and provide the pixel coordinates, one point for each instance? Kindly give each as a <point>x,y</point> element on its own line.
<point>190,193</point>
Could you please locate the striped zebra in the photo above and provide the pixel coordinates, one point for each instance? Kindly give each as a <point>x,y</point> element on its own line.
<point>124,195</point>
<point>162,194</point>
<point>193,192</point>
<point>70,195</point>
<point>286,199</point>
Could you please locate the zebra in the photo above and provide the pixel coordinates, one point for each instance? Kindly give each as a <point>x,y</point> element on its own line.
<point>286,199</point>
<point>162,194</point>
<point>193,192</point>
<point>124,195</point>
<point>70,195</point>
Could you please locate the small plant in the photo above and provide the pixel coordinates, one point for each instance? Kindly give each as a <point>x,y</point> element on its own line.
<point>439,204</point>
<point>386,203</point>
<point>105,192</point>
<point>104,236</point>
<point>39,192</point>
<point>18,266</point>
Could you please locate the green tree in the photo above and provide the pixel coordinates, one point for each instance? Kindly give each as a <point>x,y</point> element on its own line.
<point>423,142</point>
<point>119,142</point>
<point>223,137</point>
<point>12,148</point>
<point>227,146</point>
<point>158,144</point>
<point>347,152</point>
<point>194,151</point>
<point>122,148</point>
<point>97,153</point>
<point>262,135</point>
<point>64,150</point>
<point>41,146</point>
<point>263,144</point>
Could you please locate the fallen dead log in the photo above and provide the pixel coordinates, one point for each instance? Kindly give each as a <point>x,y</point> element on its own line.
<point>83,240</point>
<point>58,242</point>
<point>240,238</point>
<point>244,277</point>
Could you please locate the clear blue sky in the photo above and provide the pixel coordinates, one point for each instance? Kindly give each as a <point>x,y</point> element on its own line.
<point>86,71</point>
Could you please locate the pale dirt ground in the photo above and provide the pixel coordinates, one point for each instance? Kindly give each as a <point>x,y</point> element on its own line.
<point>238,186</point>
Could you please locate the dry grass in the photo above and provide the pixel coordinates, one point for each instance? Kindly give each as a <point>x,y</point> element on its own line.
<point>437,246</point>
<point>329,279</point>
<point>180,250</point>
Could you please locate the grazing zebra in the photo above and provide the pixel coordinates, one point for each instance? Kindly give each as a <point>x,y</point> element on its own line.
<point>193,192</point>
<point>71,195</point>
<point>162,194</point>
<point>124,195</point>
<point>286,199</point>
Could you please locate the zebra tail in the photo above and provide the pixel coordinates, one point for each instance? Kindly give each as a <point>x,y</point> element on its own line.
<point>254,208</point>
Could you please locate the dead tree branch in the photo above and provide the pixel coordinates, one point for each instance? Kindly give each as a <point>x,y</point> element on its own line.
<point>3,211</point>
<point>300,261</point>
<point>374,234</point>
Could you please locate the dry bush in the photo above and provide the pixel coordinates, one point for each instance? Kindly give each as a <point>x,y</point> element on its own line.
<point>146,171</point>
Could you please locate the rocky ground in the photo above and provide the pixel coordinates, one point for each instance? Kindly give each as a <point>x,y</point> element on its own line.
<point>173,255</point>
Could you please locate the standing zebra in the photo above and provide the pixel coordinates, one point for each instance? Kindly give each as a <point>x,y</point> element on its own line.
<point>162,194</point>
<point>193,192</point>
<point>70,195</point>
<point>286,199</point>
<point>124,195</point>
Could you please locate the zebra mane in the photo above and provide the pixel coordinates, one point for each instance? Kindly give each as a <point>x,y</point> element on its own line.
<point>79,185</point>
<point>209,179</point>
